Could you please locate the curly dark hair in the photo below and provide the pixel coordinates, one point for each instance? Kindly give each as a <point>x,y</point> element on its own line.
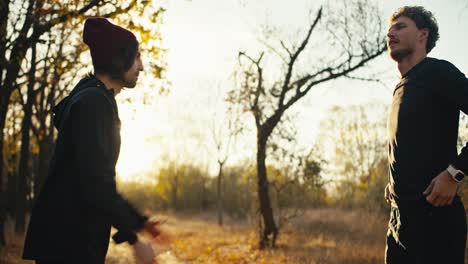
<point>423,19</point>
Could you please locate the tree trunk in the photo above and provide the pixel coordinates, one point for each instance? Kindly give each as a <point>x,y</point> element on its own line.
<point>219,192</point>
<point>4,10</point>
<point>269,227</point>
<point>3,172</point>
<point>3,112</point>
<point>10,194</point>
<point>24,168</point>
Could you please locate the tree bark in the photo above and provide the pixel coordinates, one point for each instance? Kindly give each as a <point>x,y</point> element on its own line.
<point>269,226</point>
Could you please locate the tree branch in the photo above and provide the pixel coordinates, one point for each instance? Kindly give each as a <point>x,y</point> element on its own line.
<point>333,75</point>
<point>293,59</point>
<point>258,91</point>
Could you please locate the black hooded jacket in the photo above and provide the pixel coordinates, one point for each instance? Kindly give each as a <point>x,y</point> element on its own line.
<point>79,203</point>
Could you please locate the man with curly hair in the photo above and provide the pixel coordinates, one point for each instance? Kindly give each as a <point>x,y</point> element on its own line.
<point>427,221</point>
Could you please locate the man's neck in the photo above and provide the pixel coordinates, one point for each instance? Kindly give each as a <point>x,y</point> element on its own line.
<point>110,83</point>
<point>410,61</point>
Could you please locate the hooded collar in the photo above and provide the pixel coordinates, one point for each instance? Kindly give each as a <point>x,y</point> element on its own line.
<point>85,83</point>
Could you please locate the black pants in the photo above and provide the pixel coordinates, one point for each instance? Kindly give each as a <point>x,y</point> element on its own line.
<point>420,233</point>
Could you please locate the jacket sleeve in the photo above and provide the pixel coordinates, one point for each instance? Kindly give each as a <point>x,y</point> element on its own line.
<point>454,87</point>
<point>96,149</point>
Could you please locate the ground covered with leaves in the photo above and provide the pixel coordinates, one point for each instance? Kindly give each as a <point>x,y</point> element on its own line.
<point>318,236</point>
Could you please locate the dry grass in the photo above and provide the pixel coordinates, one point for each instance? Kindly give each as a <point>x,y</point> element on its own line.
<point>320,236</point>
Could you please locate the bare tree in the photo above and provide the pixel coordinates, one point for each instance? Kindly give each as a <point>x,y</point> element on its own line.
<point>224,133</point>
<point>356,39</point>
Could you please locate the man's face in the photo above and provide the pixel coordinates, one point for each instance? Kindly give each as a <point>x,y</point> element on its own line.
<point>130,77</point>
<point>404,38</point>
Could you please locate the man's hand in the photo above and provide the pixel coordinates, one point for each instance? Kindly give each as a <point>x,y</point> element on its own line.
<point>152,227</point>
<point>441,190</point>
<point>387,193</point>
<point>143,252</point>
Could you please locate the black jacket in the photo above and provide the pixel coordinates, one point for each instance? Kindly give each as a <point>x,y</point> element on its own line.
<point>79,203</point>
<point>423,126</point>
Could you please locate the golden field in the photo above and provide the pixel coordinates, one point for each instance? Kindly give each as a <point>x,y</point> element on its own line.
<point>318,236</point>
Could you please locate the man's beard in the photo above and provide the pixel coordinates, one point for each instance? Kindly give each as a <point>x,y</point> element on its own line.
<point>126,82</point>
<point>399,55</point>
<point>129,83</point>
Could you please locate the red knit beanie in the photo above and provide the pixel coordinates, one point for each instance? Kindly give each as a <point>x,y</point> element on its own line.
<point>105,39</point>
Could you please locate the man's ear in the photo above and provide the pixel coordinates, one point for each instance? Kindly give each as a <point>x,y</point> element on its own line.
<point>424,33</point>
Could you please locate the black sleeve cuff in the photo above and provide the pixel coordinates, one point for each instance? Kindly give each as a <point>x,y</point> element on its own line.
<point>460,164</point>
<point>123,236</point>
<point>129,236</point>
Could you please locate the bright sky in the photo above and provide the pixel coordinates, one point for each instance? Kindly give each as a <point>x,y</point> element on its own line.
<point>204,38</point>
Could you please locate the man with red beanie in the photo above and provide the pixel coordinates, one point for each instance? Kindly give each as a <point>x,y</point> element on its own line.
<point>72,217</point>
